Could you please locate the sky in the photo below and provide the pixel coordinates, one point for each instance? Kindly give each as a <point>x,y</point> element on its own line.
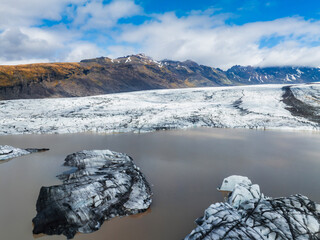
<point>217,33</point>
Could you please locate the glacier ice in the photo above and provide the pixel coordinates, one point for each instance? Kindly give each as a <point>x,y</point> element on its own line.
<point>248,214</point>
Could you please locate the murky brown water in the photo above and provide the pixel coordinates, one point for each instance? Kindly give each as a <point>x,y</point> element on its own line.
<point>184,167</point>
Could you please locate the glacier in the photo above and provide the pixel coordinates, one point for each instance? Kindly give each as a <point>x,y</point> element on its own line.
<point>292,107</point>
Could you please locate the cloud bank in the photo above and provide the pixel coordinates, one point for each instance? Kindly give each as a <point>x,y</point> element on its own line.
<point>71,30</point>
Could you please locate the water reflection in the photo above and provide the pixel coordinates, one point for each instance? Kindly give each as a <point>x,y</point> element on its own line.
<point>184,168</point>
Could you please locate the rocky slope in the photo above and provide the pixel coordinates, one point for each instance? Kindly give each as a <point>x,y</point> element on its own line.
<point>131,73</point>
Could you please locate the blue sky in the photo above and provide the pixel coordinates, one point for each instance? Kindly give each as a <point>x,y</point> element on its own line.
<point>244,11</point>
<point>219,33</point>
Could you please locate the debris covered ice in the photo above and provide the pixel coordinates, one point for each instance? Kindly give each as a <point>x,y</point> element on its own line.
<point>104,184</point>
<point>248,214</point>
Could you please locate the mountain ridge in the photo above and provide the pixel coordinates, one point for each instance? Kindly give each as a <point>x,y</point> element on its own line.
<point>134,72</point>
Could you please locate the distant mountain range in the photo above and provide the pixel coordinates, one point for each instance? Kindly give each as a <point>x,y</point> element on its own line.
<point>131,73</point>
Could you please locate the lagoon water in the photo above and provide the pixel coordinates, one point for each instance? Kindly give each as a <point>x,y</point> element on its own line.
<point>184,168</point>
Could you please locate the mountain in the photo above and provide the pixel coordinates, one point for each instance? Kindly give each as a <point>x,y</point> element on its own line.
<point>252,75</point>
<point>131,73</point>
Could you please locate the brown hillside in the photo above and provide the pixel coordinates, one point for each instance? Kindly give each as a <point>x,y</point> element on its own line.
<point>102,75</point>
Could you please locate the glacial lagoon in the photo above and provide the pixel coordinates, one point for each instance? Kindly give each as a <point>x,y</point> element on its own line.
<point>184,167</point>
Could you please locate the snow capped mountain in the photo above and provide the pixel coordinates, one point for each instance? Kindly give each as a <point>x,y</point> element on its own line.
<point>258,107</point>
<point>258,75</point>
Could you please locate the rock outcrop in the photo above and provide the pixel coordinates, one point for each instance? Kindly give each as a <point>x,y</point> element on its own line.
<point>247,214</point>
<point>103,185</point>
<point>8,152</point>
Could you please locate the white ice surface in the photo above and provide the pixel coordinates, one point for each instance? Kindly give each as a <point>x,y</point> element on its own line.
<point>8,152</point>
<point>229,183</point>
<point>257,107</point>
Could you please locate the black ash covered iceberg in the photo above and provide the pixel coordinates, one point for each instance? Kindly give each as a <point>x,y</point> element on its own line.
<point>248,214</point>
<point>104,185</point>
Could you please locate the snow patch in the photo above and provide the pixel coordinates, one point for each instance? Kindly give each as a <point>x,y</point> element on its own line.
<point>128,60</point>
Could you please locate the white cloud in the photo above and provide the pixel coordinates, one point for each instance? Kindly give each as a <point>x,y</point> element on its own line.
<point>25,61</point>
<point>284,55</point>
<point>22,40</point>
<point>18,44</point>
<point>96,15</point>
<point>80,51</point>
<point>197,37</point>
<point>121,50</point>
<point>31,45</point>
<point>20,13</point>
<point>202,36</point>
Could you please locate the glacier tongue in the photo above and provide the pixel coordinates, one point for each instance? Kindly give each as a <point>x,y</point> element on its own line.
<point>257,107</point>
<point>247,214</point>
